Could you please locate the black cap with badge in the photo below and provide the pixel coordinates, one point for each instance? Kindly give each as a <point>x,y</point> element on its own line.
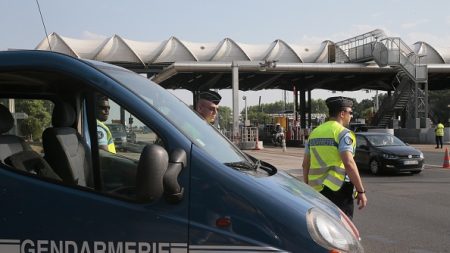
<point>338,102</point>
<point>210,96</point>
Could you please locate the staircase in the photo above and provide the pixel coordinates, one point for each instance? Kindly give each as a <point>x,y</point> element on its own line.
<point>395,103</point>
<point>386,51</point>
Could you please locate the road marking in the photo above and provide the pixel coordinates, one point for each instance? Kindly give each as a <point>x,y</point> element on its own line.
<point>435,166</point>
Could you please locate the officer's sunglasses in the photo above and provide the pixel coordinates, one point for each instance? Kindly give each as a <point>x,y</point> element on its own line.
<point>349,112</point>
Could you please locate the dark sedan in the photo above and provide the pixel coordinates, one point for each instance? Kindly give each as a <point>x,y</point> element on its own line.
<point>383,152</point>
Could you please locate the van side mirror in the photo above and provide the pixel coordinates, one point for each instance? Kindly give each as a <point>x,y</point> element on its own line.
<point>150,172</point>
<point>173,192</point>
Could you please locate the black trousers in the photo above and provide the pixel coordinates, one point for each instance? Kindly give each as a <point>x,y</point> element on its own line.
<point>343,198</point>
<point>438,141</point>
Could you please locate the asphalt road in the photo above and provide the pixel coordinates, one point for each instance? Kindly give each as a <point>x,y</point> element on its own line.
<point>405,213</point>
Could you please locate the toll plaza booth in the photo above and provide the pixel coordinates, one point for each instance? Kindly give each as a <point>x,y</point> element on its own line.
<point>249,138</point>
<point>295,136</point>
<point>254,136</point>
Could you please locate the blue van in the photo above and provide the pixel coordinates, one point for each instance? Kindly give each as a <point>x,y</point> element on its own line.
<point>181,187</point>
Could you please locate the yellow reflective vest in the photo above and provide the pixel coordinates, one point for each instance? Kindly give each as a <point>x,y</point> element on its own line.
<point>109,138</point>
<point>440,130</point>
<point>326,166</point>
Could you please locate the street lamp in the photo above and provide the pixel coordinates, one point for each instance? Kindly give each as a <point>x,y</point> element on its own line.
<point>245,106</point>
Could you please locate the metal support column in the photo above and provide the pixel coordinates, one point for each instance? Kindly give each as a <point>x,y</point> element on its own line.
<point>416,106</point>
<point>302,109</point>
<point>309,110</point>
<point>12,109</point>
<point>416,100</point>
<point>426,100</point>
<point>195,99</point>
<point>122,116</point>
<point>377,105</point>
<point>295,93</point>
<point>235,99</point>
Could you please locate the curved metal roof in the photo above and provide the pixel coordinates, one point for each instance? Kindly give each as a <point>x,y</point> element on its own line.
<point>118,49</point>
<point>196,65</point>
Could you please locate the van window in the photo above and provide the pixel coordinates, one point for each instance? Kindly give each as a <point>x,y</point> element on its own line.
<point>121,138</point>
<point>21,144</point>
<point>31,117</point>
<point>187,121</point>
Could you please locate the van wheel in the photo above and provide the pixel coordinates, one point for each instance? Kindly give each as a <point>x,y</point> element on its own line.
<point>374,167</point>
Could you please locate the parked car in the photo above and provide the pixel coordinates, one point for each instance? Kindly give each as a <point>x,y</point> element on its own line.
<point>383,152</point>
<point>192,191</point>
<point>119,134</point>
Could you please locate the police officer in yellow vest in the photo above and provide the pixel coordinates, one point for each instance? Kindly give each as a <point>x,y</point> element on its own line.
<point>105,139</point>
<point>328,164</point>
<point>439,132</point>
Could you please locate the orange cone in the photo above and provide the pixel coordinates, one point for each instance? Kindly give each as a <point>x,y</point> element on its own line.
<point>446,164</point>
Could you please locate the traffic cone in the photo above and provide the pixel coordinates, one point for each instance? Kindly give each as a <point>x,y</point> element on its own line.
<point>446,164</point>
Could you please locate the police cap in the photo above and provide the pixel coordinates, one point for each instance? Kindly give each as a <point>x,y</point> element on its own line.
<point>338,102</point>
<point>210,96</point>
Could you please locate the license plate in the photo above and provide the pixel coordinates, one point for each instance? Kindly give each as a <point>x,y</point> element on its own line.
<point>410,162</point>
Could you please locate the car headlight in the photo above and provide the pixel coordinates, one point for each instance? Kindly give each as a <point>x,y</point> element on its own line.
<point>331,233</point>
<point>421,155</point>
<point>389,156</point>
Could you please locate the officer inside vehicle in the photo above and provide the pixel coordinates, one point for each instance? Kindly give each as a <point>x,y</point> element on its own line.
<point>328,164</point>
<point>105,139</point>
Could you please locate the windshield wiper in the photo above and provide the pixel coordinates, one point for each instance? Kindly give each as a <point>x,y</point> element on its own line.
<point>241,165</point>
<point>257,164</point>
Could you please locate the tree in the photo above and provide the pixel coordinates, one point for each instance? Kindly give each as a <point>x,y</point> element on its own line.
<point>260,114</point>
<point>225,117</point>
<point>276,107</point>
<point>319,106</point>
<point>439,104</point>
<point>364,109</point>
<point>38,112</point>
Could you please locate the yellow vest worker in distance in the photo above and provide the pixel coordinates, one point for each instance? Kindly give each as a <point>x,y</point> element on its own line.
<point>105,139</point>
<point>439,132</point>
<point>328,164</point>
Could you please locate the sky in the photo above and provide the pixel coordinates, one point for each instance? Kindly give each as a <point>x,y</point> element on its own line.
<point>245,21</point>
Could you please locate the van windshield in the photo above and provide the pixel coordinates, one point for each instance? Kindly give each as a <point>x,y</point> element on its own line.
<point>182,117</point>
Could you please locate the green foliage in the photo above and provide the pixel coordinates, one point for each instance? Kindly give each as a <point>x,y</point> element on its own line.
<point>225,117</point>
<point>363,109</point>
<point>439,104</point>
<point>277,107</point>
<point>39,116</point>
<point>319,106</point>
<point>31,128</point>
<point>260,114</point>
